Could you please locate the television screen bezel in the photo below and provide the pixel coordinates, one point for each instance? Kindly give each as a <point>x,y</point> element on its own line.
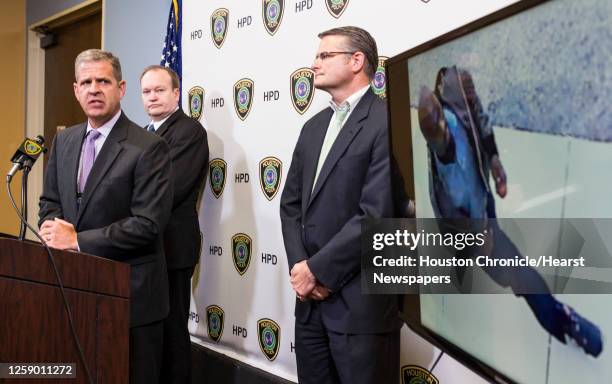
<point>411,313</point>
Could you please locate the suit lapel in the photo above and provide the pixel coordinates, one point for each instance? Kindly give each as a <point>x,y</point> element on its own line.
<point>345,137</point>
<point>104,161</point>
<point>164,127</point>
<point>311,155</point>
<point>72,158</point>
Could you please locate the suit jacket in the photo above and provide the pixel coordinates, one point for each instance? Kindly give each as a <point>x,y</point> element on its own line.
<point>124,208</point>
<point>324,226</point>
<point>189,153</point>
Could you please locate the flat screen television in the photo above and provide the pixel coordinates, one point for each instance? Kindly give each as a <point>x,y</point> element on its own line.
<point>536,82</point>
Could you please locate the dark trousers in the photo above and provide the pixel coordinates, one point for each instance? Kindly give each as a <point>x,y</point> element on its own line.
<point>327,357</point>
<point>176,360</point>
<point>145,353</point>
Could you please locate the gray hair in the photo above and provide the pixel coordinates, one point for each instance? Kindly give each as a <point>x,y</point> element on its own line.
<point>98,55</point>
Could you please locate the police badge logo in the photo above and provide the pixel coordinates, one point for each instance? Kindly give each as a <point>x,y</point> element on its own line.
<point>219,21</point>
<point>273,14</point>
<point>243,97</point>
<point>302,89</point>
<point>268,332</point>
<point>32,147</point>
<point>214,321</point>
<point>241,252</point>
<point>413,374</point>
<point>217,169</point>
<point>336,7</point>
<point>196,102</point>
<point>270,173</point>
<point>379,82</point>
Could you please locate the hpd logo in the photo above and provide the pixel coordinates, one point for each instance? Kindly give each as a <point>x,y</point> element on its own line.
<point>336,7</point>
<point>214,321</point>
<point>270,173</point>
<point>273,14</point>
<point>413,374</point>
<point>302,89</point>
<point>218,26</point>
<point>379,83</point>
<point>268,332</point>
<point>217,169</point>
<point>241,252</point>
<point>243,97</point>
<point>196,102</point>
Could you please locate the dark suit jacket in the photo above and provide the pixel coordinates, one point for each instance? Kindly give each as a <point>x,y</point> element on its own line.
<point>189,153</point>
<point>124,209</point>
<point>325,227</point>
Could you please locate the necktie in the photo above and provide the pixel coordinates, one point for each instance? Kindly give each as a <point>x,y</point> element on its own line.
<point>332,132</point>
<point>89,156</point>
<point>151,128</point>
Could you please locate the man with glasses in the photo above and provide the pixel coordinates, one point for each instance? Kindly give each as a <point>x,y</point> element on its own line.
<point>340,174</point>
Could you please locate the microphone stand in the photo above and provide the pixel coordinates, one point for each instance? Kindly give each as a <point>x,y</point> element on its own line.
<point>27,166</point>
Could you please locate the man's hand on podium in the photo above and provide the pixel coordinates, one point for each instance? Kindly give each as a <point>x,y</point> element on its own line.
<point>59,234</point>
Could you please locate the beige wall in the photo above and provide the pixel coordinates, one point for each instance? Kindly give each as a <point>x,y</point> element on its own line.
<point>12,102</point>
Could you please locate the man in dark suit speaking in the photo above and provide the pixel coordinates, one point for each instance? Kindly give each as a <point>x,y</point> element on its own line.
<point>340,174</point>
<point>108,192</point>
<point>188,143</point>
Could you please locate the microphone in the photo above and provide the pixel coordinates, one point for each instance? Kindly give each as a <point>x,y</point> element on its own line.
<point>26,155</point>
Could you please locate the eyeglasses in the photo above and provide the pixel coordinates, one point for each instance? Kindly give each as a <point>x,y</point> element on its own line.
<point>326,55</point>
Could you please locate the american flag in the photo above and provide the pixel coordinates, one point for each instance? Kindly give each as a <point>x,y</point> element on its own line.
<point>171,54</point>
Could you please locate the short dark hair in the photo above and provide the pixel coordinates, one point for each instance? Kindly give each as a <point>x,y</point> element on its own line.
<point>98,55</point>
<point>176,82</point>
<point>359,40</point>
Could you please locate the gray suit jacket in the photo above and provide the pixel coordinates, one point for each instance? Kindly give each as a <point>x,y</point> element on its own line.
<point>124,208</point>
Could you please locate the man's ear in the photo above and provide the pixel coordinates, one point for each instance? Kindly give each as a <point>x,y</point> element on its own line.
<point>122,88</point>
<point>358,62</point>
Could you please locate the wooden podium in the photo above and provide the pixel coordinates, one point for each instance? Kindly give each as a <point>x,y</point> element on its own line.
<point>34,326</point>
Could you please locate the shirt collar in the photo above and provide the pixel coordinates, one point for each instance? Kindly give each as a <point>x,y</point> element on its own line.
<point>157,124</point>
<point>350,101</point>
<point>105,128</point>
